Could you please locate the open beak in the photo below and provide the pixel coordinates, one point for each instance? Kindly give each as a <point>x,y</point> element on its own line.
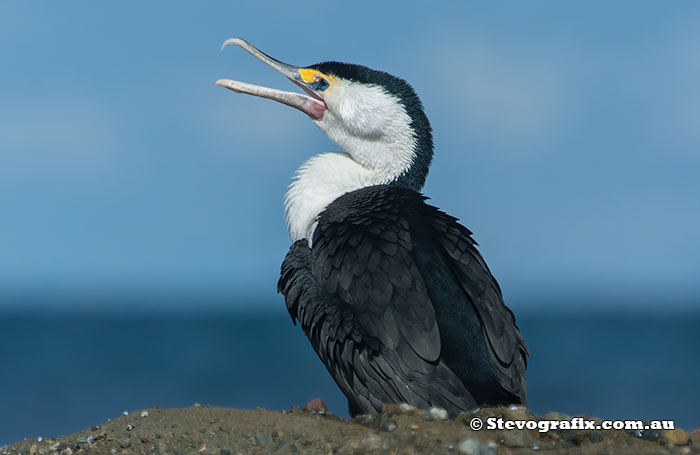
<point>312,105</point>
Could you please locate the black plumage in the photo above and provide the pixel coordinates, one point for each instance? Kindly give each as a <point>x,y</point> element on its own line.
<point>394,296</point>
<point>400,306</point>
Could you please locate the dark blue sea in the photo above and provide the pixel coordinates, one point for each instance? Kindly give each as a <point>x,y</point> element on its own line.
<point>63,372</point>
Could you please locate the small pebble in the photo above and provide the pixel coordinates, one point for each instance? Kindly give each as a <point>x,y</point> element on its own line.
<point>316,406</point>
<point>571,437</point>
<point>406,408</point>
<point>473,447</point>
<point>261,438</point>
<point>676,437</point>
<point>82,442</point>
<point>364,419</point>
<point>469,447</point>
<point>595,437</point>
<point>518,439</point>
<point>556,416</point>
<point>647,435</point>
<point>516,412</point>
<point>695,436</point>
<point>438,414</point>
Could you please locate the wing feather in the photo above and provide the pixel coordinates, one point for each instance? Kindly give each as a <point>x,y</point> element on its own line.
<point>361,299</point>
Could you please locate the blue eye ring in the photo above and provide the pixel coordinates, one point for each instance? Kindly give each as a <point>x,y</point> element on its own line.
<point>320,84</point>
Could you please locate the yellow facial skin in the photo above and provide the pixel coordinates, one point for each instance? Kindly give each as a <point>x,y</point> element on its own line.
<point>310,76</point>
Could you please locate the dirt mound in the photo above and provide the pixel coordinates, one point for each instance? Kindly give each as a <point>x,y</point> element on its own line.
<point>204,430</point>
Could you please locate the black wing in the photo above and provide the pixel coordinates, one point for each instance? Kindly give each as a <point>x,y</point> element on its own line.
<point>501,380</point>
<point>369,297</point>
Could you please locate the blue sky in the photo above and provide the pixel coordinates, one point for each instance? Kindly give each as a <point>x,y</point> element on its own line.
<point>567,138</point>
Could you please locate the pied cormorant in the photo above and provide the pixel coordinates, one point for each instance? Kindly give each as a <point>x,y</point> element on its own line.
<point>391,292</point>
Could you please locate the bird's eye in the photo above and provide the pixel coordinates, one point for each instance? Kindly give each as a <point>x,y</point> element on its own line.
<point>320,84</point>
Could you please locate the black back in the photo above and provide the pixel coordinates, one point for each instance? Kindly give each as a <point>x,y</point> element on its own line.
<point>400,306</point>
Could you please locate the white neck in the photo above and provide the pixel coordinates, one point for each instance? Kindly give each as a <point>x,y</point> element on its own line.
<point>317,183</point>
<point>374,128</point>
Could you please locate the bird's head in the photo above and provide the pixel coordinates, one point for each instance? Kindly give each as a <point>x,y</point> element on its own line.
<point>375,117</point>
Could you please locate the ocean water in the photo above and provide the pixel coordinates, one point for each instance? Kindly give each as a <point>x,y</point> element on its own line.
<point>63,372</point>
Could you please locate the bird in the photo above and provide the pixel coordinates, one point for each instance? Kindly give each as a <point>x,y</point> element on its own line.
<point>392,293</point>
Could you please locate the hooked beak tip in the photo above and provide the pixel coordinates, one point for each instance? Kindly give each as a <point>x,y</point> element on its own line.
<point>237,41</point>
<point>312,105</point>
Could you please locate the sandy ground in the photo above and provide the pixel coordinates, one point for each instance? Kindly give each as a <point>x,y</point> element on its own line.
<point>220,431</point>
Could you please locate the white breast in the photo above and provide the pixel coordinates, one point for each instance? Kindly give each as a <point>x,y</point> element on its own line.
<point>317,183</point>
